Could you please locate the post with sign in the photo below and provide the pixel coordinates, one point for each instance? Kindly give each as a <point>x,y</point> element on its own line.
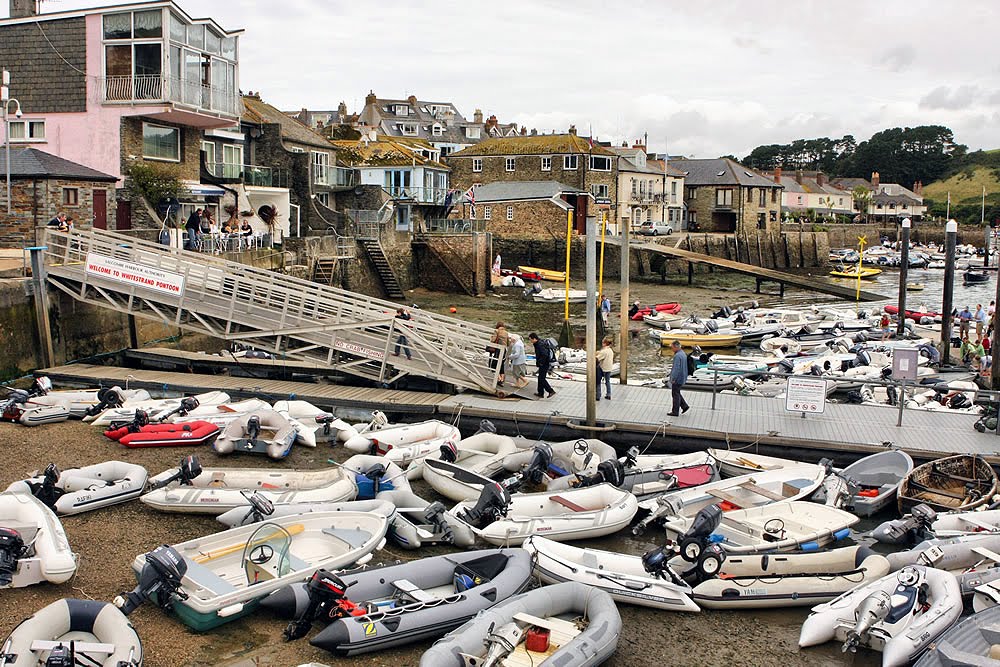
<point>805,394</point>
<point>904,367</point>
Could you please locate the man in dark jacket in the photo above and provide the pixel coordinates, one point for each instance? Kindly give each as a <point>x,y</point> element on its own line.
<point>543,359</point>
<point>193,228</point>
<point>678,376</point>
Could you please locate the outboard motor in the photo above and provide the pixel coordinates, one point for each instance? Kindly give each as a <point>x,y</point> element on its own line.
<point>872,610</point>
<point>892,394</point>
<point>694,542</point>
<point>711,326</point>
<point>188,403</point>
<point>12,549</point>
<point>785,366</point>
<point>61,655</point>
<point>493,503</point>
<point>141,419</point>
<point>160,576</point>
<point>434,515</point>
<point>862,358</point>
<point>631,457</point>
<point>860,337</point>
<point>540,461</point>
<point>486,426</point>
<point>449,452</point>
<point>260,507</point>
<point>327,599</point>
<point>375,474</point>
<point>107,398</point>
<point>612,472</point>
<point>47,491</point>
<point>911,529</point>
<point>41,386</point>
<point>959,401</point>
<point>189,468</point>
<point>253,428</point>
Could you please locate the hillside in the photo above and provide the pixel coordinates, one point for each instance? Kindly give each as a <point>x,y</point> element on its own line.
<point>966,186</point>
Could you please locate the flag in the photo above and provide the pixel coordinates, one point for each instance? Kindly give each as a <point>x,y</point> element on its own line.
<point>470,196</point>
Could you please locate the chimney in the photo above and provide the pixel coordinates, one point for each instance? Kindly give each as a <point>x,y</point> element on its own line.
<point>918,188</point>
<point>534,132</point>
<point>524,131</point>
<point>20,9</point>
<point>777,175</point>
<point>477,117</point>
<point>639,145</point>
<point>820,178</point>
<point>342,111</point>
<point>798,176</point>
<point>304,116</point>
<point>875,180</point>
<point>491,122</point>
<point>572,130</point>
<point>412,99</point>
<point>370,98</point>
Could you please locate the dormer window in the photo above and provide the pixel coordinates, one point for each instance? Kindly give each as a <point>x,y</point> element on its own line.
<point>472,132</point>
<point>437,130</point>
<point>401,110</point>
<point>408,129</point>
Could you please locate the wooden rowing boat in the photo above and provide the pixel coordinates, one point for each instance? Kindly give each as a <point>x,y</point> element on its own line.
<point>961,482</point>
<point>544,274</point>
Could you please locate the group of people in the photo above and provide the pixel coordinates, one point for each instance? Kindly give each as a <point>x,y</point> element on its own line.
<point>201,223</point>
<point>62,222</point>
<point>975,352</point>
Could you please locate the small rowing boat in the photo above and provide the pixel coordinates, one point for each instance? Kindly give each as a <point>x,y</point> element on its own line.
<point>544,274</point>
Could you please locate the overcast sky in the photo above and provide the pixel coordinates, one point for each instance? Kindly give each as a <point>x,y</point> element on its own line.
<point>702,78</point>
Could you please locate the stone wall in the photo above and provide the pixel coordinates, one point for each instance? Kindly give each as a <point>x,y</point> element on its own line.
<point>38,201</point>
<point>46,61</point>
<point>454,262</point>
<point>530,219</point>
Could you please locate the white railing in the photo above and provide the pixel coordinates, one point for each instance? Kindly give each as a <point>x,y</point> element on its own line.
<point>132,88</point>
<point>150,88</point>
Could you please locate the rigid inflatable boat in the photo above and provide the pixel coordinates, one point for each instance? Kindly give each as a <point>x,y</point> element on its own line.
<point>79,490</point>
<point>33,544</point>
<point>261,432</point>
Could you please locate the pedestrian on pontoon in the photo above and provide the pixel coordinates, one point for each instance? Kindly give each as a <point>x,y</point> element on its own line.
<point>678,377</point>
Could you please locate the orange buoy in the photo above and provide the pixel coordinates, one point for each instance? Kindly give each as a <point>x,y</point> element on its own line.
<point>453,309</point>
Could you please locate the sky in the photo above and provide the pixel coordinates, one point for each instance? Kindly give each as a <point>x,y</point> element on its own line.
<point>699,78</point>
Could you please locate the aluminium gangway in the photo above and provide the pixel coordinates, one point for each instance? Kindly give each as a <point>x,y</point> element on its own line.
<point>287,316</point>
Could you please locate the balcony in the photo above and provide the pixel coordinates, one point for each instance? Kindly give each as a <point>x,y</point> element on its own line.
<point>645,197</point>
<point>249,174</point>
<point>453,226</point>
<point>154,89</point>
<point>334,177</point>
<point>436,196</point>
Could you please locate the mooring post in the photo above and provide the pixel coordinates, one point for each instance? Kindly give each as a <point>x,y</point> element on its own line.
<point>690,272</point>
<point>902,401</point>
<point>133,333</point>
<point>951,233</point>
<point>42,304</point>
<point>626,302</point>
<point>904,269</point>
<point>592,297</point>
<point>715,382</point>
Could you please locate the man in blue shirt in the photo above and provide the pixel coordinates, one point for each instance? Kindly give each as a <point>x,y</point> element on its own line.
<point>678,376</point>
<point>605,309</point>
<point>964,318</point>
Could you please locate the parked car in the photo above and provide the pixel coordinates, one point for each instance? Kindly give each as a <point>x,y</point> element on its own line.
<point>655,228</point>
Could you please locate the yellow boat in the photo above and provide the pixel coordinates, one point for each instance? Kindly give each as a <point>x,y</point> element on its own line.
<point>854,274</point>
<point>690,338</point>
<point>914,287</point>
<point>546,274</point>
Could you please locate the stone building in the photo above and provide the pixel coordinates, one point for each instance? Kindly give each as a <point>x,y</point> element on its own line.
<point>525,209</point>
<point>44,185</point>
<point>723,196</point>
<point>559,158</point>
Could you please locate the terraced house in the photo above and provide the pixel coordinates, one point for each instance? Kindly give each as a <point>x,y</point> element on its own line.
<point>723,196</point>
<point>589,173</point>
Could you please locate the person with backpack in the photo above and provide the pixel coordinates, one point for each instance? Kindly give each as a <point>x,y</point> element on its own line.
<point>544,356</point>
<point>678,377</point>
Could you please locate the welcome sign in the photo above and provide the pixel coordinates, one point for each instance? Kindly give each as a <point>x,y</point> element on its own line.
<point>137,275</point>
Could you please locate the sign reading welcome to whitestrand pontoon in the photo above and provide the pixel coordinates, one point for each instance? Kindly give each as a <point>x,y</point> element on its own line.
<point>134,274</point>
<point>804,394</point>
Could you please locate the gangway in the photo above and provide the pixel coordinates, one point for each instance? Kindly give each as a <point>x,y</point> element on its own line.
<point>282,314</point>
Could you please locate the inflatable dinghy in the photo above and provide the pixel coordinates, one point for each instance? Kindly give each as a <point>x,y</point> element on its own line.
<point>164,435</point>
<point>73,632</point>
<point>973,641</point>
<point>79,490</point>
<point>261,432</point>
<point>532,629</point>
<point>33,544</point>
<point>157,409</point>
<point>405,444</point>
<point>260,509</point>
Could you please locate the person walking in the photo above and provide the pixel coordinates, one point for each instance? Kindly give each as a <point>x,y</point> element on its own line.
<point>498,354</point>
<point>193,228</point>
<point>518,362</point>
<point>605,309</point>
<point>964,318</point>
<point>980,320</point>
<point>543,359</point>
<point>401,342</point>
<point>678,376</point>
<point>605,363</point>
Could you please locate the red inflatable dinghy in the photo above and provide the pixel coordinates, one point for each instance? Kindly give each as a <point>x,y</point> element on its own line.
<point>166,435</point>
<point>668,308</point>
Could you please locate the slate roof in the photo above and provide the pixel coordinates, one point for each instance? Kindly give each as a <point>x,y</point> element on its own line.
<point>381,115</point>
<point>810,185</point>
<point>259,113</point>
<point>33,163</point>
<point>851,183</point>
<point>521,190</point>
<point>667,167</point>
<point>720,171</point>
<point>539,144</point>
<point>384,152</point>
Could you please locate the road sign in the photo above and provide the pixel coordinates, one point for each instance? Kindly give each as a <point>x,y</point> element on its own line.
<point>803,394</point>
<point>904,363</point>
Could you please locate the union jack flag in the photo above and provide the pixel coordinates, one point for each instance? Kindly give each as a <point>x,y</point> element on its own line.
<point>470,196</point>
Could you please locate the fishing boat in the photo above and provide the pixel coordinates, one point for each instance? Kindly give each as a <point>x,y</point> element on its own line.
<point>558,295</point>
<point>899,615</point>
<point>87,633</point>
<point>532,629</point>
<point>33,544</point>
<point>392,605</point>
<point>690,338</point>
<point>766,581</point>
<point>621,575</point>
<point>862,273</point>
<point>955,483</point>
<point>973,641</point>
<point>77,490</point>
<point>218,578</point>
<point>544,274</point>
<point>868,485</point>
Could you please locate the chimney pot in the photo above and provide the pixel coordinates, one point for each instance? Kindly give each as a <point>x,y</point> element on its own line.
<point>477,116</point>
<point>875,180</point>
<point>370,98</point>
<point>412,99</point>
<point>777,175</point>
<point>572,130</point>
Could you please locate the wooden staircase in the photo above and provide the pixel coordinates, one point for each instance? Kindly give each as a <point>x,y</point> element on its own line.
<point>382,268</point>
<point>325,271</point>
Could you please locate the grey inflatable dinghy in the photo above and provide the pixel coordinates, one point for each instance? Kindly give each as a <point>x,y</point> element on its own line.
<point>973,641</point>
<point>77,632</point>
<point>579,626</point>
<point>402,603</point>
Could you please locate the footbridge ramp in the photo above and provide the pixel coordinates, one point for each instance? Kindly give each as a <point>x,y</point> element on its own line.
<point>287,316</point>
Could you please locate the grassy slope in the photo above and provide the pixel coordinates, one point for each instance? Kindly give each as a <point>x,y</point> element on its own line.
<point>964,188</point>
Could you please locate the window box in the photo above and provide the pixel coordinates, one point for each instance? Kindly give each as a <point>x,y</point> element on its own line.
<point>161,143</point>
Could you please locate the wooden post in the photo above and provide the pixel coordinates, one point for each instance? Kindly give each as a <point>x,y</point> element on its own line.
<point>904,268</point>
<point>42,304</point>
<point>591,345</point>
<point>625,304</point>
<point>133,333</point>
<point>690,273</point>
<point>951,233</point>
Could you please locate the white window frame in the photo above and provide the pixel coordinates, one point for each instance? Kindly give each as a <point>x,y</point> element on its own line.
<point>400,110</point>
<point>510,163</point>
<point>477,164</point>
<point>323,198</point>
<point>473,132</point>
<point>571,159</point>
<point>208,148</point>
<point>607,161</point>
<point>409,129</point>
<point>599,190</point>
<point>510,213</point>
<point>320,168</point>
<point>180,153</point>
<point>27,136</point>
<point>487,213</point>
<point>296,149</point>
<point>437,130</point>
<point>232,168</point>
<point>546,163</point>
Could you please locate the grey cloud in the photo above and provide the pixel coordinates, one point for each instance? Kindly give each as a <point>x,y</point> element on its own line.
<point>943,97</point>
<point>994,98</point>
<point>899,57</point>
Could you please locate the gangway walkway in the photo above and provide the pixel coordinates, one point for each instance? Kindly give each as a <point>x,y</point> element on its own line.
<point>284,315</point>
<point>760,273</point>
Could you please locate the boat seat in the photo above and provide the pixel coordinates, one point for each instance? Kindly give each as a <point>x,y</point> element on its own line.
<point>568,503</point>
<point>353,538</point>
<point>728,497</point>
<point>987,553</point>
<point>761,491</point>
<point>410,590</point>
<point>204,578</point>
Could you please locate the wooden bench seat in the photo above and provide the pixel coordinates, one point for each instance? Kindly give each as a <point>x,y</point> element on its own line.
<point>568,503</point>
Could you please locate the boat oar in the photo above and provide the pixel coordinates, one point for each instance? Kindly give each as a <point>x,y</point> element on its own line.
<point>206,556</point>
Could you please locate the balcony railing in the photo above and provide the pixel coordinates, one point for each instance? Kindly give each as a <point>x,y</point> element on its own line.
<point>141,89</point>
<point>452,226</point>
<point>333,176</point>
<point>645,197</point>
<point>250,174</point>
<point>420,195</point>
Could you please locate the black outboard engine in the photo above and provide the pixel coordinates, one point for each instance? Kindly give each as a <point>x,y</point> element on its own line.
<point>141,419</point>
<point>449,452</point>
<point>253,428</point>
<point>854,397</point>
<point>327,593</point>
<point>959,401</point>
<point>160,576</point>
<point>493,503</point>
<point>47,491</point>
<point>434,515</point>
<point>12,549</point>
<point>189,468</point>
<point>862,358</point>
<point>695,542</point>
<point>786,366</point>
<point>612,472</point>
<point>893,396</point>
<point>61,655</point>
<point>188,403</point>
<point>540,461</point>
<point>911,529</point>
<point>107,397</point>
<point>260,507</point>
<point>860,337</point>
<point>375,474</point>
<point>631,458</point>
<point>711,326</point>
<point>41,386</point>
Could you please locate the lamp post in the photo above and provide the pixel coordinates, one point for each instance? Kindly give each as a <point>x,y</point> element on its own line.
<point>5,100</point>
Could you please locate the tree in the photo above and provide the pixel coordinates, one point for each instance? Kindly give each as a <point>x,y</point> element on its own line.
<point>862,200</point>
<point>152,185</point>
<point>905,155</point>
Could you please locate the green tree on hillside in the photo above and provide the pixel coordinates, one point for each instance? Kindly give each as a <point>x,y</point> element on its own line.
<point>905,155</point>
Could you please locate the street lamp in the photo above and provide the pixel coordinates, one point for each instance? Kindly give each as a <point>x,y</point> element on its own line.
<point>5,100</point>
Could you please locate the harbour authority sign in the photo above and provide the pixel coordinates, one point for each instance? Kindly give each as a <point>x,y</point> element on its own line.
<point>804,394</point>
<point>137,275</point>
